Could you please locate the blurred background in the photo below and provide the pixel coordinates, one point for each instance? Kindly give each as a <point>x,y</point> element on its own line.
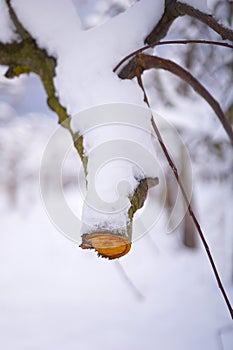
<point>162,295</point>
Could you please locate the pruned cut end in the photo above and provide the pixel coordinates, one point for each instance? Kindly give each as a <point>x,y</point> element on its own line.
<point>107,245</point>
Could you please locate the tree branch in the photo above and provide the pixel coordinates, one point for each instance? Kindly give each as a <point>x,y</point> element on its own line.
<point>170,42</point>
<point>24,34</point>
<point>140,194</point>
<point>174,9</point>
<point>180,184</point>
<point>147,62</point>
<point>162,27</point>
<point>210,21</point>
<point>26,57</point>
<point>9,53</point>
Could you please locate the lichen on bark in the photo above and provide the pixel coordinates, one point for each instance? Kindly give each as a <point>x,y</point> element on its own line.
<point>140,194</point>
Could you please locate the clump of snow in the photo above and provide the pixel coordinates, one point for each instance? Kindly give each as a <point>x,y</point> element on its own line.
<point>50,23</point>
<point>117,142</point>
<point>121,150</point>
<point>86,58</point>
<point>85,62</point>
<point>6,112</point>
<point>85,78</point>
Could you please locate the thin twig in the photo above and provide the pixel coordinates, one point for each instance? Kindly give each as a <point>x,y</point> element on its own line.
<point>170,42</point>
<point>190,210</point>
<point>174,9</point>
<point>18,26</point>
<point>210,21</point>
<point>148,61</point>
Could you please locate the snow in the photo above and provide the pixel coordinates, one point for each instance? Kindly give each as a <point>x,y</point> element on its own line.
<point>54,295</point>
<point>121,150</point>
<point>49,26</point>
<point>97,12</point>
<point>87,69</point>
<point>84,71</point>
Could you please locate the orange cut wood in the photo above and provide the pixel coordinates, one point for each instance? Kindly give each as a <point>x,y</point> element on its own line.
<point>108,245</point>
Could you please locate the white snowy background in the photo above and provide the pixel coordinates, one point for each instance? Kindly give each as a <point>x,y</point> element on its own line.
<point>53,295</point>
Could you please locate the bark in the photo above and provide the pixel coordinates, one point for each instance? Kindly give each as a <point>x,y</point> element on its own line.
<point>173,10</point>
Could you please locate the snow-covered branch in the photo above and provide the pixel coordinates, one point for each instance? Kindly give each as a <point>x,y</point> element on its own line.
<point>25,56</point>
<point>53,53</point>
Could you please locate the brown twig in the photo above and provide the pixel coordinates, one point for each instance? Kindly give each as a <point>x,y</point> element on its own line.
<point>148,62</point>
<point>170,42</point>
<point>210,21</point>
<point>174,9</point>
<point>180,184</point>
<point>161,28</point>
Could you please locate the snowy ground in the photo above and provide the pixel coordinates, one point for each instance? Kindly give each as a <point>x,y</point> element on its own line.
<point>53,295</point>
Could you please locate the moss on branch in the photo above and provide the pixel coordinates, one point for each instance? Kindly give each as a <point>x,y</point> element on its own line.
<point>140,194</point>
